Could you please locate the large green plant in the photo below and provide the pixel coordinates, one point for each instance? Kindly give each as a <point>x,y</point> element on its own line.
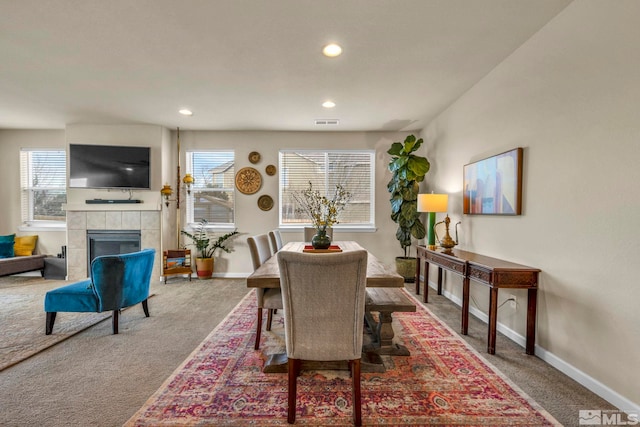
<point>205,246</point>
<point>408,170</point>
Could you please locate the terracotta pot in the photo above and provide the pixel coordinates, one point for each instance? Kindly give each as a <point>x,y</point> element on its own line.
<point>204,268</point>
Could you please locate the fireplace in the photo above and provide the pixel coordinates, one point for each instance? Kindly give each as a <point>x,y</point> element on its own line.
<point>111,242</point>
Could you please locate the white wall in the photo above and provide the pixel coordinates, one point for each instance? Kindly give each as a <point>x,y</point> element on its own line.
<point>11,141</point>
<point>140,135</point>
<point>571,97</point>
<point>250,220</point>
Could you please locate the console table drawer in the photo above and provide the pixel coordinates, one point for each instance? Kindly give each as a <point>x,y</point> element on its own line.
<point>457,266</point>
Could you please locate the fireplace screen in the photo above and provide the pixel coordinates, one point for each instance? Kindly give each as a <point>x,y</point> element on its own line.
<point>111,242</point>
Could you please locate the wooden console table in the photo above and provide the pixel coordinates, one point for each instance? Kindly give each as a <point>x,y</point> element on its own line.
<point>492,272</point>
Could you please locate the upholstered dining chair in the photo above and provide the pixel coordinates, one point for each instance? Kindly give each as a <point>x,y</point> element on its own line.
<point>116,282</point>
<point>276,240</point>
<point>269,299</point>
<point>309,232</point>
<point>324,299</point>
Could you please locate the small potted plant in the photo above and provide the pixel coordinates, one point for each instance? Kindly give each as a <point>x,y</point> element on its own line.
<point>206,248</point>
<point>408,170</point>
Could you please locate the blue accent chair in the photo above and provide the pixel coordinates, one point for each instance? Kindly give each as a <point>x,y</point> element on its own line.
<point>117,281</point>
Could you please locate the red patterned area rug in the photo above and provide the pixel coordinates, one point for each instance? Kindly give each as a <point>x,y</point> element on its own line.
<point>443,383</point>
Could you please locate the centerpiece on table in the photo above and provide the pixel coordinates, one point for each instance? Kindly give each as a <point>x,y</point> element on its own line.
<point>322,211</point>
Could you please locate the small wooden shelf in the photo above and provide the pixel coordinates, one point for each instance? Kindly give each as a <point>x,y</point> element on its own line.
<point>176,261</point>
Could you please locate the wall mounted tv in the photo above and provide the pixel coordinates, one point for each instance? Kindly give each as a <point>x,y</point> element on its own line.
<point>109,166</point>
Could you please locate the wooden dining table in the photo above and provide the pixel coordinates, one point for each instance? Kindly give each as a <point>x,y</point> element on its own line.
<point>378,276</point>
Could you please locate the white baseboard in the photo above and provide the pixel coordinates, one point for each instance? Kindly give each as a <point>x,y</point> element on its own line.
<point>611,396</point>
<point>218,275</point>
<point>232,275</point>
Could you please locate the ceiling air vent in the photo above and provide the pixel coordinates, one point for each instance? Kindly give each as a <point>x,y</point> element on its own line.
<point>331,122</point>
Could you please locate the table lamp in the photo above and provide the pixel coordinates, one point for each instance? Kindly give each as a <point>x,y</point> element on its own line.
<point>432,203</point>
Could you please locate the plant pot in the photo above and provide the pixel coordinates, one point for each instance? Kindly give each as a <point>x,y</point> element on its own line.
<point>406,267</point>
<point>204,268</point>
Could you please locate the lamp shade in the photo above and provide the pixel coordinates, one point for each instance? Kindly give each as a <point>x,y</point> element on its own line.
<point>432,202</point>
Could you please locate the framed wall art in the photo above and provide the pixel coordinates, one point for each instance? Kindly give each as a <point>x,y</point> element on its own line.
<point>493,186</point>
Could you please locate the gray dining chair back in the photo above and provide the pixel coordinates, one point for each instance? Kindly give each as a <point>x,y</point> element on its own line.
<point>269,299</point>
<point>260,249</point>
<point>276,240</point>
<point>324,298</point>
<point>309,232</point>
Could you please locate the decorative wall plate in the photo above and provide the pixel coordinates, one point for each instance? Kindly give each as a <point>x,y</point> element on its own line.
<point>265,202</point>
<point>271,170</point>
<point>254,157</point>
<point>248,180</point>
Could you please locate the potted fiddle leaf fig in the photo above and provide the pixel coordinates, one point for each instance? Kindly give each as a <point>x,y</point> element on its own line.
<point>408,170</point>
<point>206,247</point>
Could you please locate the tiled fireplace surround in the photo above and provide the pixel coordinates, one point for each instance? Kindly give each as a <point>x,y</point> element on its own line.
<point>81,219</point>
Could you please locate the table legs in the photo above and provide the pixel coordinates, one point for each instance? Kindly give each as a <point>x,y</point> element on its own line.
<point>425,297</point>
<point>532,298</point>
<point>418,275</point>
<point>493,320</point>
<point>465,306</point>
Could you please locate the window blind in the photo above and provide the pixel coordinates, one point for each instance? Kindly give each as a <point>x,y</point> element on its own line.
<point>353,170</point>
<point>43,182</point>
<point>213,192</point>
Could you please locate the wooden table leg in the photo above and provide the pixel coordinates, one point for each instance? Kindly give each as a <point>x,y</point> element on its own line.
<point>532,297</point>
<point>425,298</point>
<point>384,334</point>
<point>493,320</point>
<point>418,275</point>
<point>440,274</point>
<point>465,306</point>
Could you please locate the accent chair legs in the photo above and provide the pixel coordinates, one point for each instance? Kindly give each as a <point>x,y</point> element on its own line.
<point>114,321</point>
<point>145,307</point>
<point>51,319</point>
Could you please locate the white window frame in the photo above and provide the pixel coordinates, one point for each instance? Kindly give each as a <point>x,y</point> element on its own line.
<point>27,189</point>
<point>192,222</point>
<point>364,226</point>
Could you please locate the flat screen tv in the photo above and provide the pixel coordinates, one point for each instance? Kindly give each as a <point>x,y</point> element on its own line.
<point>109,166</point>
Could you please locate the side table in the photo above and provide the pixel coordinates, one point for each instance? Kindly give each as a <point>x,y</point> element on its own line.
<point>55,268</point>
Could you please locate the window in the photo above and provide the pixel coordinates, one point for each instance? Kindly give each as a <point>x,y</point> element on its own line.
<point>212,194</point>
<point>354,170</point>
<point>43,183</point>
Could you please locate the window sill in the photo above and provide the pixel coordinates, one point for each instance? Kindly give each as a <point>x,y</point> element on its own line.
<point>42,227</point>
<point>344,229</point>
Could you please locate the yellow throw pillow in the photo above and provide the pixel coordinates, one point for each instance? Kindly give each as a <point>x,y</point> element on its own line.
<point>25,245</point>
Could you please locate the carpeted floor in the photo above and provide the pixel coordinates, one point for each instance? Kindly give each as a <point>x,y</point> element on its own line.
<point>23,319</point>
<point>443,382</point>
<point>98,379</point>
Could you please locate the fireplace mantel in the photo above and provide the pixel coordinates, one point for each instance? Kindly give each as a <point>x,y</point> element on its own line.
<point>74,207</point>
<point>82,217</point>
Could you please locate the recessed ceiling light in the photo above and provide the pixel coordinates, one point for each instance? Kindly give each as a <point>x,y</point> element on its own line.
<point>186,112</point>
<point>332,50</point>
<point>328,104</point>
